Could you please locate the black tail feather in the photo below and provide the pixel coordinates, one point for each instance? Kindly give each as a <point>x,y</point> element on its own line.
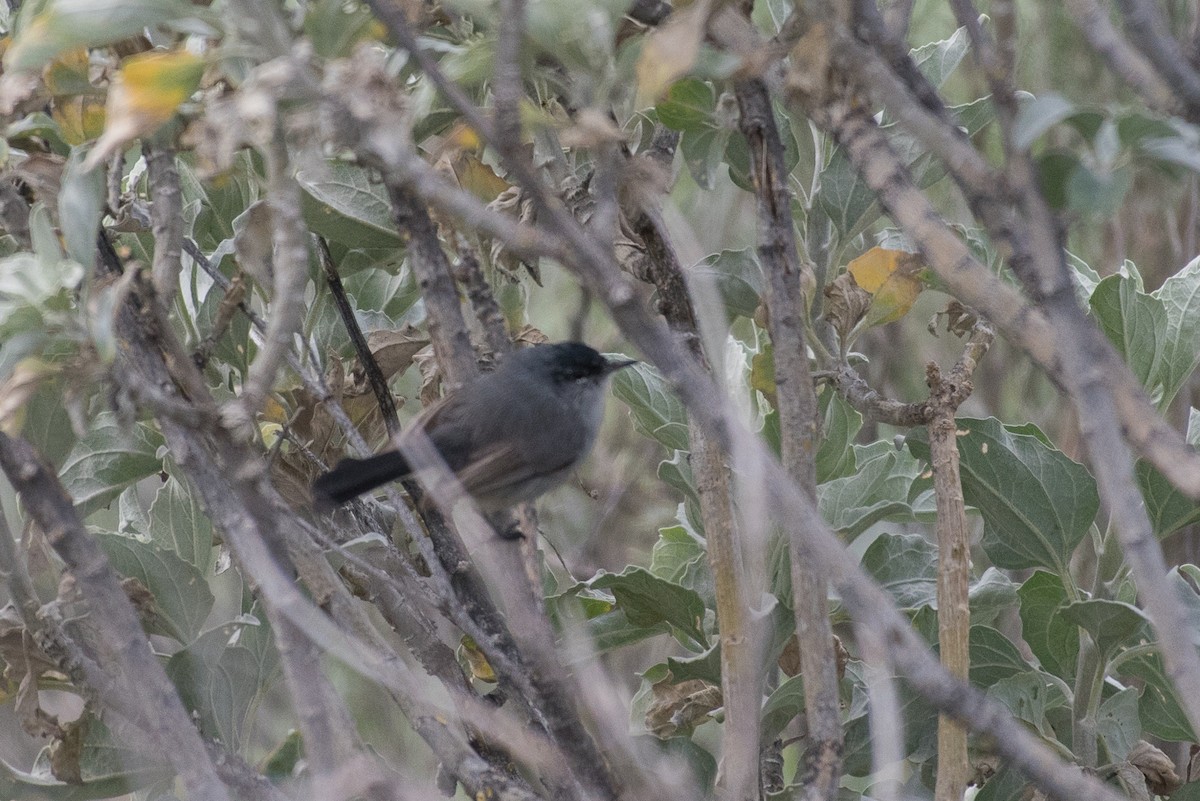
<point>352,477</point>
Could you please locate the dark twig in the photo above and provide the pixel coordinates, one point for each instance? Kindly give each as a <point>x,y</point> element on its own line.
<point>469,272</point>
<point>447,328</point>
<point>379,385</point>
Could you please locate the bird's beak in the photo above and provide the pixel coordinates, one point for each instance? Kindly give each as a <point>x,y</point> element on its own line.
<point>619,364</point>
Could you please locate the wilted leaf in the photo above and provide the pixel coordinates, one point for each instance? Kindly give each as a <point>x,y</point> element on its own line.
<point>678,708</point>
<point>1157,767</point>
<point>393,350</point>
<point>469,651</point>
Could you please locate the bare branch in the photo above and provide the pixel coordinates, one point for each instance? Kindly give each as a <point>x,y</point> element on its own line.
<point>166,215</point>
<point>1126,62</point>
<point>1151,34</point>
<point>796,403</point>
<point>144,683</point>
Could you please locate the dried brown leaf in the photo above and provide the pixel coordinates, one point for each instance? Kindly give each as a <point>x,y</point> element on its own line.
<point>679,708</point>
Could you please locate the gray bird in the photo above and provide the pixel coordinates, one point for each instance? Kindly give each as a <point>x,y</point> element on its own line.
<point>510,435</point>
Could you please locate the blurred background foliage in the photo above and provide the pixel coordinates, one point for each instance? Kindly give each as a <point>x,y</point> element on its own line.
<point>77,78</point>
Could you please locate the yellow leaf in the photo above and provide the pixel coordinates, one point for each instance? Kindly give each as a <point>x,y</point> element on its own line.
<point>670,51</point>
<point>80,119</point>
<point>478,663</point>
<point>18,388</point>
<point>893,277</point>
<point>68,74</point>
<point>145,94</point>
<point>874,267</point>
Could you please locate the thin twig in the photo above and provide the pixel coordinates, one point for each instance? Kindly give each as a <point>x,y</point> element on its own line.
<point>379,385</point>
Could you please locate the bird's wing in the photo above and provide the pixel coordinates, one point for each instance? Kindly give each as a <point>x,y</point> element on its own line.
<point>500,472</point>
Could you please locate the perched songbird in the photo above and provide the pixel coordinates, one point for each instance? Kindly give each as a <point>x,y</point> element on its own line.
<point>510,435</point>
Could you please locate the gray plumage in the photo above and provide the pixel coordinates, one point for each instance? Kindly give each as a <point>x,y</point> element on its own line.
<point>510,435</point>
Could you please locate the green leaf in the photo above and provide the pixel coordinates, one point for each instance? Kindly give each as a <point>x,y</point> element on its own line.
<point>1053,639</point>
<point>878,490</point>
<point>1136,324</point>
<point>737,155</point>
<point>737,278</point>
<point>178,524</point>
<point>920,724</point>
<point>63,25</point>
<point>80,205</point>
<point>109,458</point>
<point>840,423</point>
<point>1055,169</point>
<point>688,106</point>
<point>1169,509</point>
<point>182,597</point>
<point>1086,279</point>
<point>657,412</point>
<point>342,203</point>
<point>223,676</point>
<point>1158,708</point>
<point>1180,295</point>
<point>106,767</point>
<point>1096,191</point>
<point>906,566</point>
<point>47,424</point>
<point>1184,579</point>
<point>676,473</point>
<point>846,199</point>
<point>1009,784</point>
<point>1111,623</point>
<point>283,759</point>
<point>1038,116</point>
<point>681,557</point>
<point>648,600</point>
<point>993,657</point>
<point>993,593</point>
<point>704,153</point>
<point>1118,723</point>
<point>1036,503</point>
<point>1028,695</point>
<point>937,60</point>
<point>784,704</point>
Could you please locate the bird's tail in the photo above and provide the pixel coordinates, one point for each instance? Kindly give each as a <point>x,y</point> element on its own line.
<point>352,477</point>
